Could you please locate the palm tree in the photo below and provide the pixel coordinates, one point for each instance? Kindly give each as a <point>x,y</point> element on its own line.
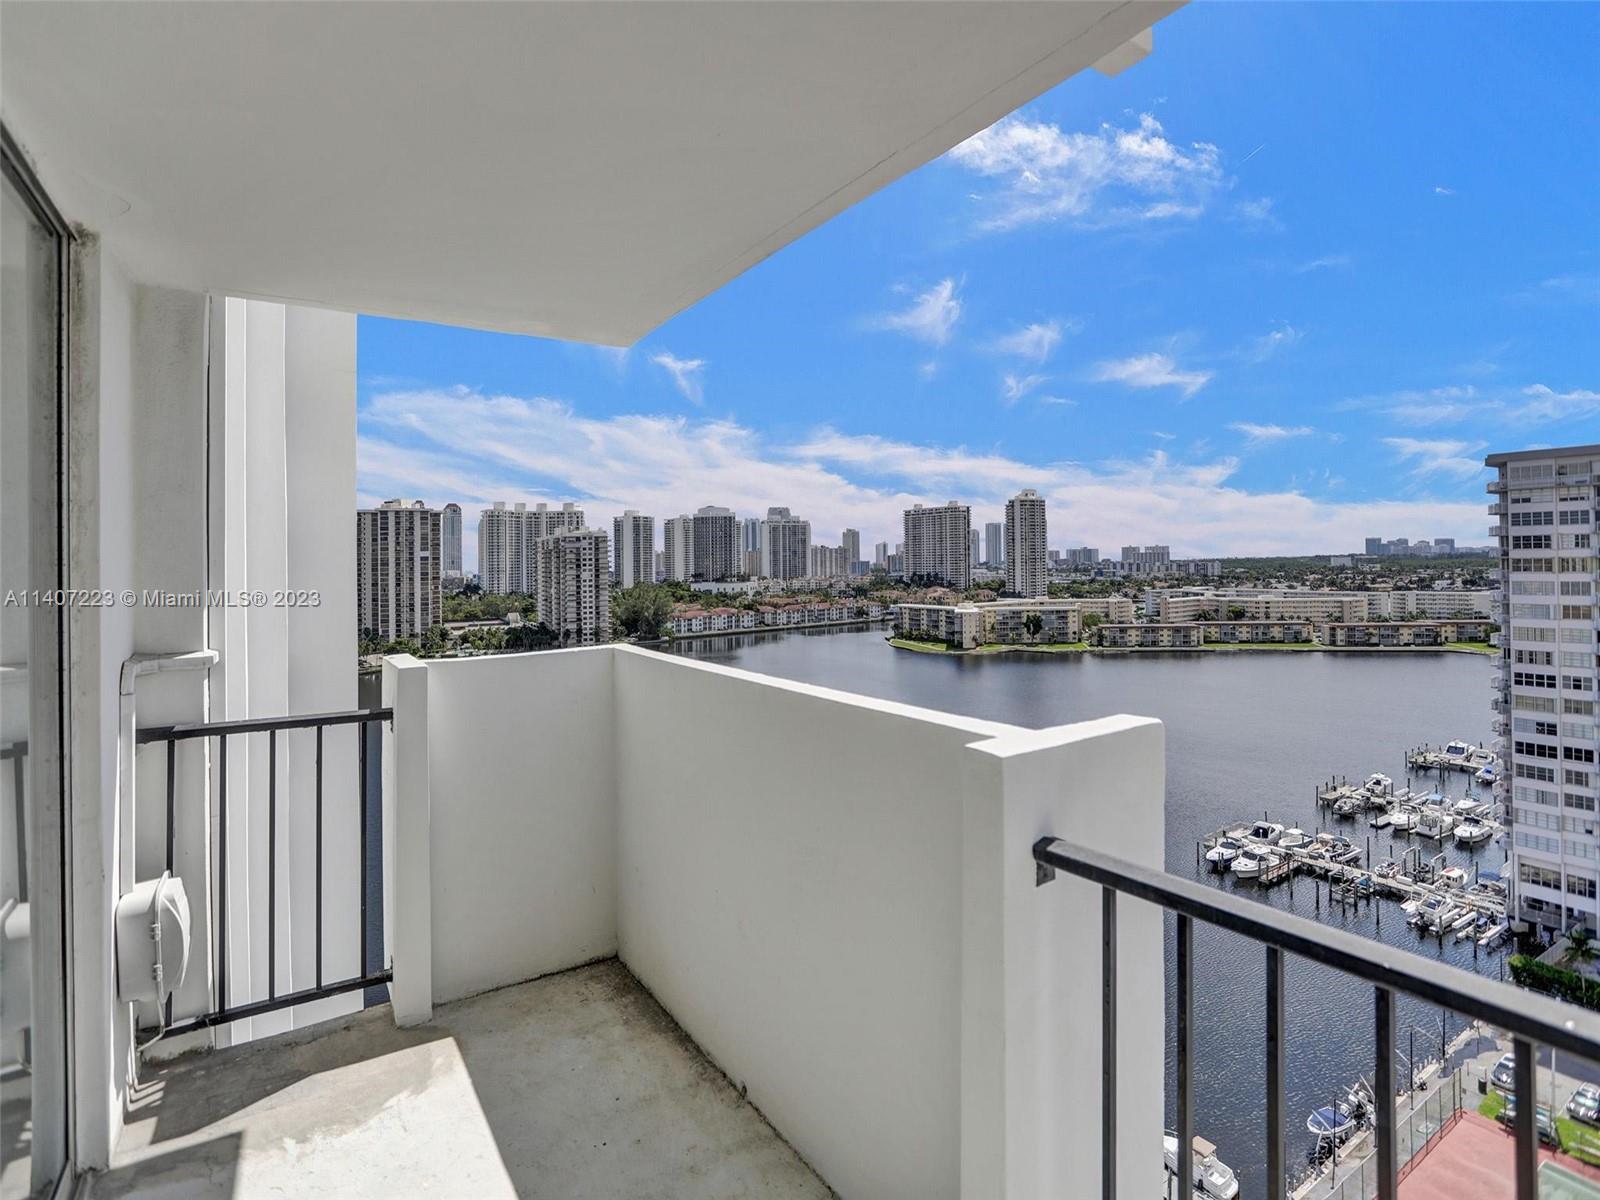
<point>1580,951</point>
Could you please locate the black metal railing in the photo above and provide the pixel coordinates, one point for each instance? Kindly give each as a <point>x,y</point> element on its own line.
<point>16,753</point>
<point>1529,1018</point>
<point>368,975</point>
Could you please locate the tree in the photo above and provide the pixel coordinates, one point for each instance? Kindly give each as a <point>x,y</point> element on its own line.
<point>642,611</point>
<point>1236,613</point>
<point>1090,620</point>
<point>1034,624</point>
<point>1580,951</point>
<point>529,637</point>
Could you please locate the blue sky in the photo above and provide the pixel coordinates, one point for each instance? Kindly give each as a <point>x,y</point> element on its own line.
<point>1277,287</point>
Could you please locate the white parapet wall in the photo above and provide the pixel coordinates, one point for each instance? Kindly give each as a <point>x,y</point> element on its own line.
<point>833,895</point>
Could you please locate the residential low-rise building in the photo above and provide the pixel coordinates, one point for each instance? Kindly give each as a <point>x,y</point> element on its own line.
<point>1402,633</point>
<point>1258,604</point>
<point>1165,636</point>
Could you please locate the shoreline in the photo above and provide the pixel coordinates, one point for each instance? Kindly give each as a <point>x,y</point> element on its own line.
<point>1216,648</point>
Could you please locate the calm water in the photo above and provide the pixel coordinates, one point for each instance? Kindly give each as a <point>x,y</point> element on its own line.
<point>1246,732</point>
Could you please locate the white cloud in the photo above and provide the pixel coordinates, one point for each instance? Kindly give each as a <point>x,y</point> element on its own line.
<point>1535,404</point>
<point>1109,177</point>
<point>1268,344</point>
<point>462,445</point>
<point>1257,212</point>
<point>1035,342</point>
<point>686,373</point>
<point>1444,191</point>
<point>1150,371</point>
<point>1444,456</point>
<point>1015,387</point>
<point>1328,262</point>
<point>930,318</point>
<point>1258,435</point>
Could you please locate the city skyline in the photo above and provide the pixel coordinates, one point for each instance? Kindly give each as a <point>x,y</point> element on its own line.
<point>1231,355</point>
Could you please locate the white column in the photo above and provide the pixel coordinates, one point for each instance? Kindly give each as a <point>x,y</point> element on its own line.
<point>407,820</point>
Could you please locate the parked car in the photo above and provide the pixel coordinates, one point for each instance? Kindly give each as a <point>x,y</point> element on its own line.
<point>1585,1104</point>
<point>1541,1118</point>
<point>1504,1075</point>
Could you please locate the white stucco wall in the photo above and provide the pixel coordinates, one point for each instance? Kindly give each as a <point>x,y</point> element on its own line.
<point>862,948</point>
<point>790,889</point>
<point>523,841</point>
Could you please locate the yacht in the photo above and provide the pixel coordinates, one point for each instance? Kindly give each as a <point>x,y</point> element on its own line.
<point>1472,831</point>
<point>1212,1176</point>
<point>1404,818</point>
<point>1221,855</point>
<point>1457,752</point>
<point>1251,863</point>
<point>1266,831</point>
<point>1294,839</point>
<point>1471,806</point>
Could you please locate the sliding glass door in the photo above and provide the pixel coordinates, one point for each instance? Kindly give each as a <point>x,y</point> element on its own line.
<point>33,988</point>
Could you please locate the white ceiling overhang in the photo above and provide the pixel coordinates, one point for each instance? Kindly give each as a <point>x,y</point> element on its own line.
<point>575,170</point>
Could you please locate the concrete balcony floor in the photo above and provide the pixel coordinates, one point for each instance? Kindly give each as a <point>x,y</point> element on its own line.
<point>574,1085</point>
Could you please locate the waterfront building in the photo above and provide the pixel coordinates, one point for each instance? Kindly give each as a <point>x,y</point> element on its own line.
<point>937,545</point>
<point>785,545</point>
<point>573,592</point>
<point>1402,633</point>
<point>1027,545</point>
<point>1545,512</point>
<point>1018,621</point>
<point>677,548</point>
<point>994,544</point>
<point>1261,604</point>
<point>828,562</point>
<point>717,544</point>
<point>506,540</point>
<point>450,542</point>
<point>633,544</point>
<point>398,560</point>
<point>1433,602</point>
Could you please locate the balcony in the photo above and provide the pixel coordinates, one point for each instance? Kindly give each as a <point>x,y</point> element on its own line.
<point>637,951</point>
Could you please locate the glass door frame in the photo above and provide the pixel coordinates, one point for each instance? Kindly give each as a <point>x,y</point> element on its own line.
<point>48,687</point>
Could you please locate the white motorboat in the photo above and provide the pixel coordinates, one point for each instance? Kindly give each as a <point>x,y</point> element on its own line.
<point>1212,1176</point>
<point>1471,806</point>
<point>1251,864</point>
<point>1404,818</point>
<point>1266,831</point>
<point>1294,839</point>
<point>1221,855</point>
<point>1492,935</point>
<point>1349,806</point>
<point>1488,774</point>
<point>1472,832</point>
<point>1453,877</point>
<point>1435,821</point>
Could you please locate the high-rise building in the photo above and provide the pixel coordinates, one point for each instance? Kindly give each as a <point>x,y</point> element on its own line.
<point>828,562</point>
<point>994,544</point>
<point>506,540</point>
<point>1444,545</point>
<point>574,586</point>
<point>1374,546</point>
<point>677,548</point>
<point>633,545</point>
<point>1545,514</point>
<point>785,545</point>
<point>1150,560</point>
<point>880,554</point>
<point>750,534</point>
<point>718,543</point>
<point>975,549</point>
<point>1027,545</point>
<point>938,545</point>
<point>398,559</point>
<point>1083,556</point>
<point>450,546</point>
<point>850,539</point>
